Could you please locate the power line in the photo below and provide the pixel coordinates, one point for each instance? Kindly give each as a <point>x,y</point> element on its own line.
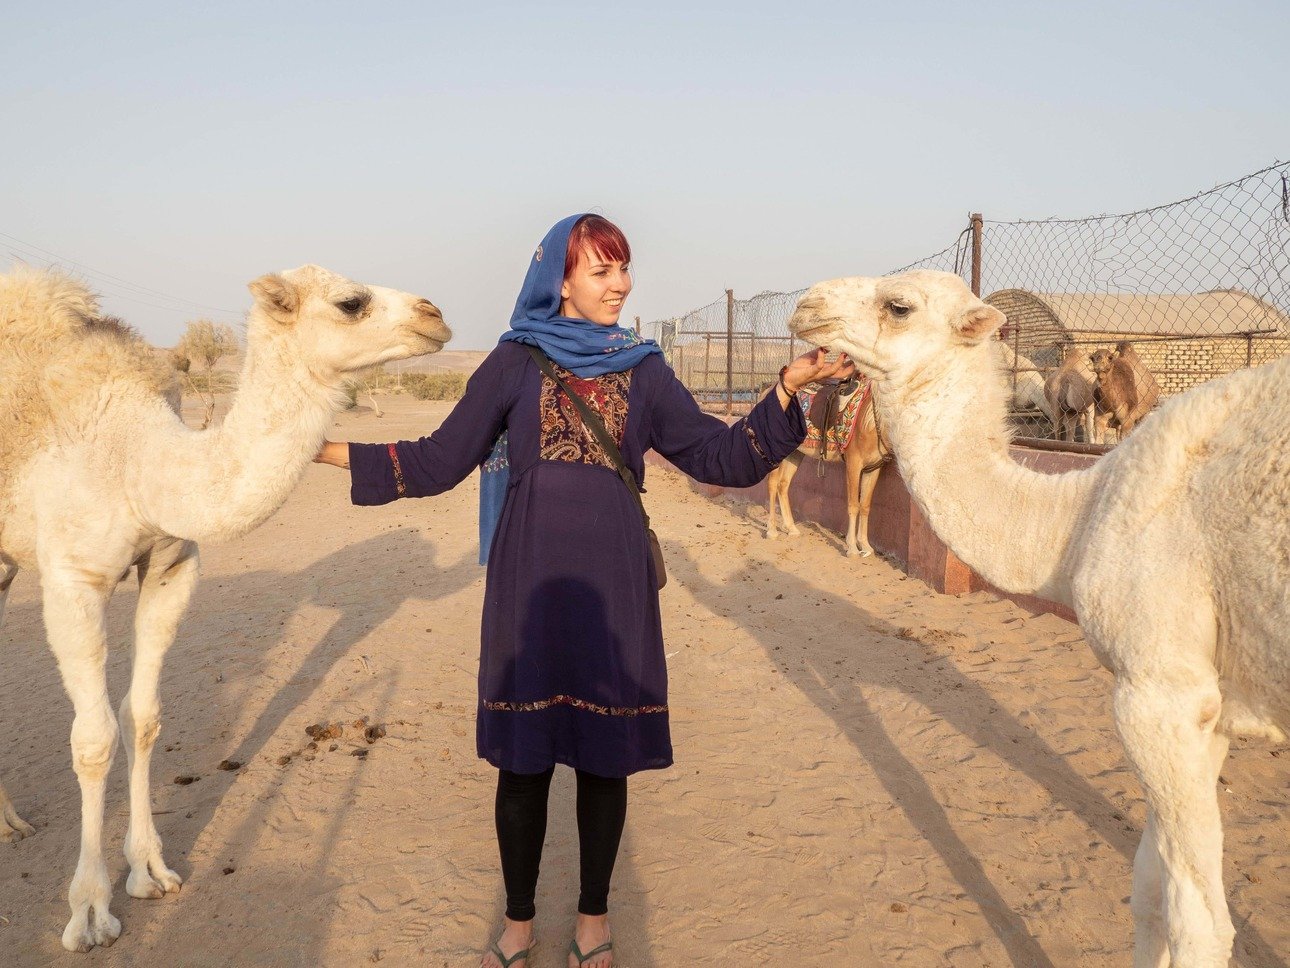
<point>90,270</point>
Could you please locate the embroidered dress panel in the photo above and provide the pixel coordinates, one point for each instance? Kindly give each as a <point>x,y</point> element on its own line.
<point>563,435</point>
<point>399,483</point>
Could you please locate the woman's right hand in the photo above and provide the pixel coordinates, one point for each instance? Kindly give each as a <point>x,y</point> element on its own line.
<point>334,453</point>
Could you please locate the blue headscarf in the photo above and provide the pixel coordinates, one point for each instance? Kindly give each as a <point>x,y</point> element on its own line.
<point>580,346</point>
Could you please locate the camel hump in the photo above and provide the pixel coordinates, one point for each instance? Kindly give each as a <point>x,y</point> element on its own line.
<point>57,351</point>
<point>44,304</point>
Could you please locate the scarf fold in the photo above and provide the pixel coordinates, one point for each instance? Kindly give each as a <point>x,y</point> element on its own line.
<point>580,346</point>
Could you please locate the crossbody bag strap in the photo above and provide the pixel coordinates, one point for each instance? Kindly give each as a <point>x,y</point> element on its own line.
<point>593,423</point>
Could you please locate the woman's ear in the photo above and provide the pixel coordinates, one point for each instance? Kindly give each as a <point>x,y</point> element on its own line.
<point>564,289</point>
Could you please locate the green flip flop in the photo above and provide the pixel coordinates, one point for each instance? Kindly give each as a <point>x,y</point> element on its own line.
<point>583,959</point>
<point>507,962</point>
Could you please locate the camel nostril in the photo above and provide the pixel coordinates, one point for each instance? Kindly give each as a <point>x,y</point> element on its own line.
<point>428,308</point>
<point>811,302</point>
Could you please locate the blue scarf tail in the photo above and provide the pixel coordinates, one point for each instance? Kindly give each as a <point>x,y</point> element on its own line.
<point>580,346</point>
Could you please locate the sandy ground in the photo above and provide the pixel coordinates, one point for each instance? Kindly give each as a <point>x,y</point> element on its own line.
<point>867,773</point>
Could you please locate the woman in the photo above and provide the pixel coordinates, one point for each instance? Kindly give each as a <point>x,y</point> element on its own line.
<point>571,665</point>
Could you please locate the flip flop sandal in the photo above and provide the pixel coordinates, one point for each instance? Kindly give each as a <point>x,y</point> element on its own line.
<point>507,962</point>
<point>583,959</point>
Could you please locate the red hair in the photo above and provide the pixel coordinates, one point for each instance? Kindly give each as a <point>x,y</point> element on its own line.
<point>601,236</point>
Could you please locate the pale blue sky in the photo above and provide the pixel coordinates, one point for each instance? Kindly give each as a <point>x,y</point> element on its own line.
<point>754,146</point>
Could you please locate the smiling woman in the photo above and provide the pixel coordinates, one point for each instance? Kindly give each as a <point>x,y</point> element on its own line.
<point>572,667</point>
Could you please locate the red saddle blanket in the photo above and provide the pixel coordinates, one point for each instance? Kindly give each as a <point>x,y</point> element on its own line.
<point>840,431</point>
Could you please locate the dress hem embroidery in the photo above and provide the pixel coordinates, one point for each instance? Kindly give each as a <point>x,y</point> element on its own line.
<point>540,704</point>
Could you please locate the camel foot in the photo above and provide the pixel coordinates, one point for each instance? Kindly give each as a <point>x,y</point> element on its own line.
<point>792,532</point>
<point>859,552</point>
<point>772,535</point>
<point>12,827</point>
<point>91,924</point>
<point>152,880</point>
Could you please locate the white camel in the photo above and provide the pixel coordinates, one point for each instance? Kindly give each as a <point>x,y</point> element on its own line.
<point>98,474</point>
<point>1173,550</point>
<point>1026,382</point>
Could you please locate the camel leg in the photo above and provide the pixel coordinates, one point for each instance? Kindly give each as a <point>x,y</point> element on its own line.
<point>166,582</point>
<point>1086,417</point>
<point>12,827</point>
<point>1168,733</point>
<point>788,469</point>
<point>1102,428</point>
<point>772,492</point>
<point>74,607</point>
<point>1150,945</point>
<point>854,465</point>
<point>868,481</point>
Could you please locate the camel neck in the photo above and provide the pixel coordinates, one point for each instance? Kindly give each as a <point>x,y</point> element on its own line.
<point>221,483</point>
<point>1012,525</point>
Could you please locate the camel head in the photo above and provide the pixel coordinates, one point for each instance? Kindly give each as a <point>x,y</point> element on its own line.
<point>338,326</point>
<point>1101,361</point>
<point>895,324</point>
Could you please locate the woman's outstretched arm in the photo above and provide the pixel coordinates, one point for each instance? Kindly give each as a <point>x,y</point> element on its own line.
<point>381,473</point>
<point>741,454</point>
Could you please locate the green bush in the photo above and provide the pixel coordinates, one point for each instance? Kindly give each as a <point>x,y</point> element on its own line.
<point>436,386</point>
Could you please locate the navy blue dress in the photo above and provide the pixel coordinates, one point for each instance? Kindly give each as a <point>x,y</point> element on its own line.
<point>571,666</point>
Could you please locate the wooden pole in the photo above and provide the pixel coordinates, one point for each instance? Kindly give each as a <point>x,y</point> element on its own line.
<point>707,363</point>
<point>730,351</point>
<point>638,325</point>
<point>976,253</point>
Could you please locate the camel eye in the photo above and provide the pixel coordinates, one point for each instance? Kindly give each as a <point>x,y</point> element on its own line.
<point>899,310</point>
<point>352,306</point>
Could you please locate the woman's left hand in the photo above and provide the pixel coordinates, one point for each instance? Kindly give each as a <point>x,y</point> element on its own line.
<point>813,366</point>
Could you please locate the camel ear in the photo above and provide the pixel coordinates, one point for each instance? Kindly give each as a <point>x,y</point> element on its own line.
<point>276,296</point>
<point>978,321</point>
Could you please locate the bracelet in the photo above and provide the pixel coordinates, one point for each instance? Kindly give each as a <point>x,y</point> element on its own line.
<point>791,393</point>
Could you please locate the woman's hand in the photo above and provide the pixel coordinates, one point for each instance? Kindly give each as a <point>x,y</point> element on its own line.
<point>813,366</point>
<point>331,452</point>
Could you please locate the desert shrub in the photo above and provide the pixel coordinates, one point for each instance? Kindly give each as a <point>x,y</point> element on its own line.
<point>436,386</point>
<point>204,343</point>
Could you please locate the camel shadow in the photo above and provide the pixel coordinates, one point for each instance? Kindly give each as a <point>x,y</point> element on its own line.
<point>974,714</point>
<point>358,613</point>
<point>234,636</point>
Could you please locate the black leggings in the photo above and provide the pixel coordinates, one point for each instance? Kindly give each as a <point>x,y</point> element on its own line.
<point>521,828</point>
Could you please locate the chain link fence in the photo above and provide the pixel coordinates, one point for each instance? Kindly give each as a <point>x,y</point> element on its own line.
<point>1159,300</point>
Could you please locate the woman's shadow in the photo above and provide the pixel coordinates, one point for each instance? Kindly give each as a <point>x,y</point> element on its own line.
<point>561,610</point>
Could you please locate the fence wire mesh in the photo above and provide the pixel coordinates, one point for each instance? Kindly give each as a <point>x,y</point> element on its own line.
<point>1159,300</point>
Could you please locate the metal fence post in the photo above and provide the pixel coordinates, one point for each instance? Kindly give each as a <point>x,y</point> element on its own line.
<point>976,254</point>
<point>730,352</point>
<point>638,325</point>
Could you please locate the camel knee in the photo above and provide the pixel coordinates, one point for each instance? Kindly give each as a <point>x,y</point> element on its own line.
<point>93,745</point>
<point>146,737</point>
<point>141,728</point>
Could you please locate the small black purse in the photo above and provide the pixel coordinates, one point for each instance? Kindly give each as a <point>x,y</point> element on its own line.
<point>593,423</point>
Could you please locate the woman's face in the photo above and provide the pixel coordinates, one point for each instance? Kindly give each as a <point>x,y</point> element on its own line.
<point>596,289</point>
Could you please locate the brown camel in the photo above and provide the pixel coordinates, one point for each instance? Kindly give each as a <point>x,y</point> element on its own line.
<point>863,456</point>
<point>1125,391</point>
<point>1069,391</point>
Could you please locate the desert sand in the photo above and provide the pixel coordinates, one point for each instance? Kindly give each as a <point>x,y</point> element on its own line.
<point>867,773</point>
